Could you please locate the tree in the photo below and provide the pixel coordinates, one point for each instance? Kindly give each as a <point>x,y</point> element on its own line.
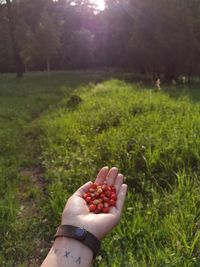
<point>47,39</point>
<point>6,55</point>
<point>152,37</point>
<point>27,49</point>
<point>81,49</point>
<point>14,41</point>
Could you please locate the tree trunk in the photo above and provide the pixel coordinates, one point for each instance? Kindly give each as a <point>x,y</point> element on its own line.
<point>17,57</point>
<point>48,67</point>
<point>170,71</point>
<point>26,66</point>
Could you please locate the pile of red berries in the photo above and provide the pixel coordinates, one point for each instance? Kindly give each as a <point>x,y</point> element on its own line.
<point>100,198</point>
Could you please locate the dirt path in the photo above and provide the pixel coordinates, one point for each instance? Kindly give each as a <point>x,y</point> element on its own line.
<point>32,188</point>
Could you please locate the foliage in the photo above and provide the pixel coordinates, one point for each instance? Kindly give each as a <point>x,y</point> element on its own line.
<point>47,38</point>
<point>152,37</point>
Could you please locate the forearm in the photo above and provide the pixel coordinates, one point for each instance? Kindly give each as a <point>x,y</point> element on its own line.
<point>68,252</point>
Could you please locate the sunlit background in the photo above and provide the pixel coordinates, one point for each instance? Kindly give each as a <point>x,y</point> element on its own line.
<point>100,4</point>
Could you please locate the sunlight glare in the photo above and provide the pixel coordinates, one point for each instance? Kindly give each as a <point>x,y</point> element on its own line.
<point>100,4</point>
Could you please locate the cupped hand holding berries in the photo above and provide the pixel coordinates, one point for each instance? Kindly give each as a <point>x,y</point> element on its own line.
<point>98,218</point>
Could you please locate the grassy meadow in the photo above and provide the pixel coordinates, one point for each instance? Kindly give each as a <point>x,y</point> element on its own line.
<point>56,134</point>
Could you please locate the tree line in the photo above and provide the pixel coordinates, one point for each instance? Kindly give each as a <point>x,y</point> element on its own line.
<point>152,37</point>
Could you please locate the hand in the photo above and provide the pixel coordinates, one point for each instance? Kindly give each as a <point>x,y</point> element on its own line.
<point>76,211</point>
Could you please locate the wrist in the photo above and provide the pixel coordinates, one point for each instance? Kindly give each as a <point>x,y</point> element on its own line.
<point>68,252</point>
<point>93,230</point>
<point>67,244</point>
<point>80,234</point>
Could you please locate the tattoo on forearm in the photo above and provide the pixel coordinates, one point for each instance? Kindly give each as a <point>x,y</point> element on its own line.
<point>67,254</point>
<point>78,260</point>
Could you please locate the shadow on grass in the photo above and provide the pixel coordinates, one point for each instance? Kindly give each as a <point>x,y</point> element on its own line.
<point>190,91</point>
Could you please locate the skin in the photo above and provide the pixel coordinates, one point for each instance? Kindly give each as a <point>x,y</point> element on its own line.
<point>69,252</point>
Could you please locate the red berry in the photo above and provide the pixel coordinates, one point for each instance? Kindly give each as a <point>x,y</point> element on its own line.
<point>113,196</point>
<point>96,194</point>
<point>92,207</point>
<point>97,211</point>
<point>100,206</point>
<point>112,202</point>
<point>106,205</point>
<point>85,195</point>
<point>113,189</point>
<point>100,200</point>
<point>105,210</point>
<point>99,190</point>
<point>104,187</point>
<point>108,193</point>
<point>100,197</point>
<point>92,190</point>
<point>93,186</point>
<point>96,202</point>
<point>105,199</point>
<point>88,199</point>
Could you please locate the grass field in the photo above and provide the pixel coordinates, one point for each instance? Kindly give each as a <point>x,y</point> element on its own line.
<point>56,134</point>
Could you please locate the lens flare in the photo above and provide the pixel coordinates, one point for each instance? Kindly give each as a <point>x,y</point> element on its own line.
<point>99,3</point>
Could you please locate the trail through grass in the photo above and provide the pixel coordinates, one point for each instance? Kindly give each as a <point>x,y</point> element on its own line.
<point>56,134</point>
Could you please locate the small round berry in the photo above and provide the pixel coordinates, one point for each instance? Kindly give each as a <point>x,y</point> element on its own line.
<point>105,199</point>
<point>97,211</point>
<point>92,190</point>
<point>94,186</point>
<point>86,195</point>
<point>104,187</point>
<point>96,195</point>
<point>108,193</point>
<point>102,195</point>
<point>113,196</point>
<point>92,207</point>
<point>100,206</point>
<point>96,202</point>
<point>88,199</point>
<point>113,189</point>
<point>106,205</point>
<point>99,190</point>
<point>112,202</point>
<point>105,210</point>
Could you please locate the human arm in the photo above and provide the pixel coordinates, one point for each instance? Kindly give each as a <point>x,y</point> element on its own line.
<point>69,252</point>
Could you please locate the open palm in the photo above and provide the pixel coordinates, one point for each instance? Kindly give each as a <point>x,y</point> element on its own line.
<point>76,211</point>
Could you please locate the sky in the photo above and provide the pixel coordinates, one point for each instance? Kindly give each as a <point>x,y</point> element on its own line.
<point>100,4</point>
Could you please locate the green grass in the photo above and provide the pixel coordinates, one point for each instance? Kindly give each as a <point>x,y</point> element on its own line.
<point>71,127</point>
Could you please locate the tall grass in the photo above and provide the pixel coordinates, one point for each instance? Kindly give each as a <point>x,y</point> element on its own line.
<point>152,137</point>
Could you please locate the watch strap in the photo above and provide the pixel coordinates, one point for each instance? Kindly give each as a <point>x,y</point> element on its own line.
<point>80,234</point>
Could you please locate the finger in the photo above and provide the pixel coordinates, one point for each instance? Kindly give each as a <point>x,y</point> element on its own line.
<point>118,182</point>
<point>83,189</point>
<point>110,179</point>
<point>101,176</point>
<point>121,198</point>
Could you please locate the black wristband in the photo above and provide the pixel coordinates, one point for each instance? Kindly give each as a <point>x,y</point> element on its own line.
<point>80,234</point>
